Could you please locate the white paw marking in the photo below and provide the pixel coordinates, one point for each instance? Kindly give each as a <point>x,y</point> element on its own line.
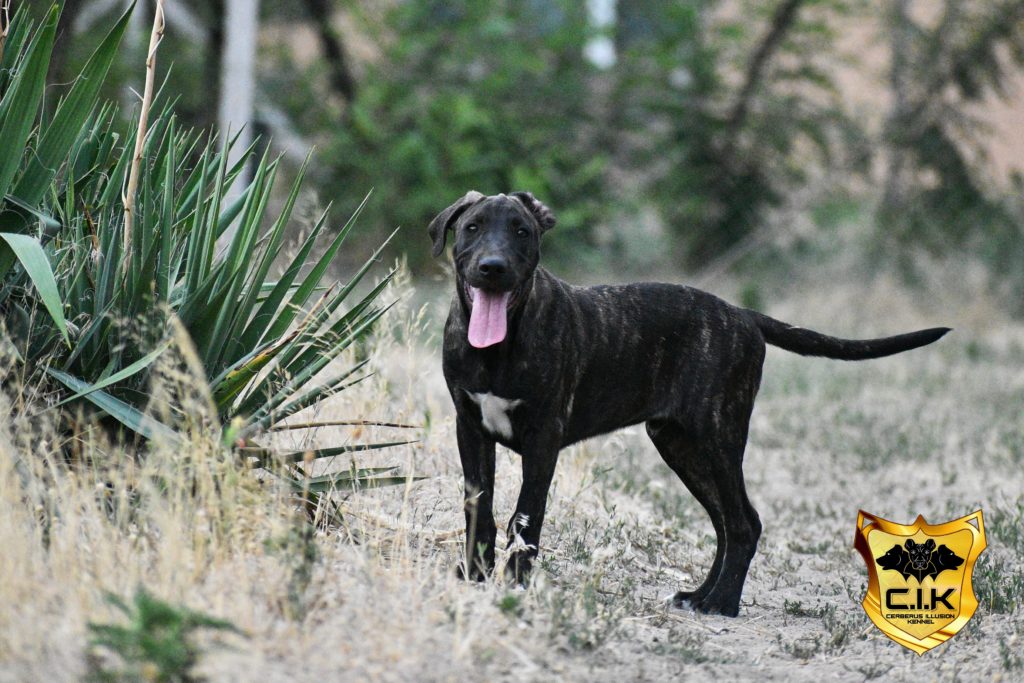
<point>519,544</point>
<point>496,413</point>
<point>521,521</point>
<point>670,600</point>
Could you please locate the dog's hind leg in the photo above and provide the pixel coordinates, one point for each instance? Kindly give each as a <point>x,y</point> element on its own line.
<point>681,453</point>
<point>711,467</point>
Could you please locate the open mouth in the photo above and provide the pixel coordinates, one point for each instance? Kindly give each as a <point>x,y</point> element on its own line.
<point>488,317</point>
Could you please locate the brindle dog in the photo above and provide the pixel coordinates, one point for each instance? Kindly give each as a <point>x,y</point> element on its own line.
<point>537,364</point>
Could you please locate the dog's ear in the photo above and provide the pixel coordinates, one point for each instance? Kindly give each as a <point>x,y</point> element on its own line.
<point>929,544</point>
<point>910,544</point>
<point>443,221</point>
<point>545,217</point>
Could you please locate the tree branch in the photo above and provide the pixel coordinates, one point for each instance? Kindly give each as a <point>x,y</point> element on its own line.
<point>341,78</point>
<point>782,21</point>
<point>946,59</point>
<point>1004,24</point>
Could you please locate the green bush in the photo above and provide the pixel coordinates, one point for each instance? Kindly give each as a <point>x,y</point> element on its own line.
<point>474,95</point>
<point>736,113</point>
<point>940,194</point>
<point>265,344</point>
<point>157,643</point>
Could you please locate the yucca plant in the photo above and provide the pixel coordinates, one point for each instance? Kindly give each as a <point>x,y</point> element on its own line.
<point>263,343</point>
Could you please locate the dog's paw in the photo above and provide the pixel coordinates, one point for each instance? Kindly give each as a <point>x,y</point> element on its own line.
<point>476,572</point>
<point>706,604</point>
<point>517,571</point>
<point>685,599</point>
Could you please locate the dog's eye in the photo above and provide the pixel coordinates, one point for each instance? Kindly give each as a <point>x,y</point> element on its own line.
<point>472,227</point>
<point>523,232</point>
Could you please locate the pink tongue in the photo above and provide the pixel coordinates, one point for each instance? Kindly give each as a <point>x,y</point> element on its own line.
<point>487,321</point>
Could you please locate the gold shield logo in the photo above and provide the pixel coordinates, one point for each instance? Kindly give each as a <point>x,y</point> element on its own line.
<point>920,590</point>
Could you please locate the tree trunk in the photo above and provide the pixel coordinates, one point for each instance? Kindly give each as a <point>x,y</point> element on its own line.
<point>341,78</point>
<point>895,128</point>
<point>214,59</point>
<point>238,86</point>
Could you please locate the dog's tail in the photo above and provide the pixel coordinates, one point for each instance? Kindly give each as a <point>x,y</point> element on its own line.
<point>811,343</point>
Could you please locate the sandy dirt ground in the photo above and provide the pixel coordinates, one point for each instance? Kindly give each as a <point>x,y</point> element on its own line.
<point>936,432</point>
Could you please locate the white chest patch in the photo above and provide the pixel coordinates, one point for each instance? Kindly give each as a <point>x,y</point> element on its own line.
<point>496,413</point>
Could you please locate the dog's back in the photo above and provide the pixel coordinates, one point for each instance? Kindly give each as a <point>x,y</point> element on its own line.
<point>648,350</point>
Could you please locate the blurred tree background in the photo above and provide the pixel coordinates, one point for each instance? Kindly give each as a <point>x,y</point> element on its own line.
<point>668,135</point>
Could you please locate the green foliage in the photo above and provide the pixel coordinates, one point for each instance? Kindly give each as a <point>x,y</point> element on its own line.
<point>999,582</point>
<point>157,643</point>
<point>722,155</point>
<point>473,95</point>
<point>511,605</point>
<point>939,195</point>
<point>498,96</point>
<point>998,587</point>
<point>714,113</point>
<point>29,253</point>
<point>750,296</point>
<point>263,342</point>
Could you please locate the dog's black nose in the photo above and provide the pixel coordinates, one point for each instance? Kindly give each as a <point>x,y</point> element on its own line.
<point>493,266</point>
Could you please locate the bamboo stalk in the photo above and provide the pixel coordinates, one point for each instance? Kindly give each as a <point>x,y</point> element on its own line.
<point>128,197</point>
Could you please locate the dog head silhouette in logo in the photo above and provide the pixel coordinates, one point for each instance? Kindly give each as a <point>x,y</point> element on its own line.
<point>920,553</point>
<point>895,558</point>
<point>919,559</point>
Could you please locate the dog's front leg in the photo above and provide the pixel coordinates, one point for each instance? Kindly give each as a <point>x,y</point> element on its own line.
<point>476,450</point>
<point>525,525</point>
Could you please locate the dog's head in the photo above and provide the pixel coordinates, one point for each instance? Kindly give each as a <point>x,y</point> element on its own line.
<point>920,553</point>
<point>496,250</point>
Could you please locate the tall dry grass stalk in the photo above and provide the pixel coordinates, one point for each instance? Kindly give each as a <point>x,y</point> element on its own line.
<point>84,516</point>
<point>5,23</point>
<point>128,197</point>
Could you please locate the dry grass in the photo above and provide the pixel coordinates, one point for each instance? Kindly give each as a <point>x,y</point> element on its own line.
<point>936,432</point>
